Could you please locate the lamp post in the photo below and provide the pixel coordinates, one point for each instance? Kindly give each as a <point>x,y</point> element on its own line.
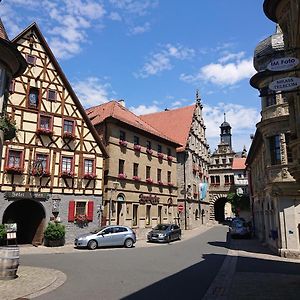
<point>114,187</point>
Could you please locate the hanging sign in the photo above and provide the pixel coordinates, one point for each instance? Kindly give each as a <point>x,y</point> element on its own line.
<point>282,64</point>
<point>285,84</point>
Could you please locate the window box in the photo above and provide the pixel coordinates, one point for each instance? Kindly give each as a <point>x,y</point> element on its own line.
<point>137,147</point>
<point>149,151</point>
<point>149,180</point>
<point>67,174</point>
<point>160,182</point>
<point>89,176</point>
<point>44,173</point>
<point>81,220</point>
<point>13,170</point>
<point>68,135</point>
<point>123,143</point>
<point>136,178</point>
<point>170,184</point>
<point>122,176</point>
<point>169,158</point>
<point>44,131</point>
<point>160,155</point>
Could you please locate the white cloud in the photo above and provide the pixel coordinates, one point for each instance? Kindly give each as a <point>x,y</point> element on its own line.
<point>222,74</point>
<point>135,7</point>
<point>242,119</point>
<point>161,60</point>
<point>114,16</point>
<point>92,91</point>
<point>231,56</point>
<point>144,109</point>
<point>140,29</point>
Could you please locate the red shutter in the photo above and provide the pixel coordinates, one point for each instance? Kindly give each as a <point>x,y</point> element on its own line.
<point>90,212</point>
<point>71,211</point>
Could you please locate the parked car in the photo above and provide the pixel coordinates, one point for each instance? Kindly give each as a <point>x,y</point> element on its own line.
<point>239,228</point>
<point>164,233</point>
<point>105,236</point>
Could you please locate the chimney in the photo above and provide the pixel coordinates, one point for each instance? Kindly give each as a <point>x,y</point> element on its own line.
<point>122,102</point>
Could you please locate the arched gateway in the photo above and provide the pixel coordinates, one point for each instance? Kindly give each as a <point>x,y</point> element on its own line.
<point>30,218</point>
<point>217,207</point>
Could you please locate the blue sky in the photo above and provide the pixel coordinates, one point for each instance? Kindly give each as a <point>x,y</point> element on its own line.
<point>154,54</point>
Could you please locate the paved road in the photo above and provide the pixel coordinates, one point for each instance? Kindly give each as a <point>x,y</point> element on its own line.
<point>178,270</point>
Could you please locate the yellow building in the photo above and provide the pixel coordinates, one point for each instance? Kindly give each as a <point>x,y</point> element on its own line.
<point>140,188</point>
<point>53,168</point>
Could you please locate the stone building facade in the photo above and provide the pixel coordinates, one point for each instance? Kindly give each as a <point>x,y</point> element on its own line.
<point>186,126</point>
<point>274,191</point>
<point>140,187</point>
<point>53,168</point>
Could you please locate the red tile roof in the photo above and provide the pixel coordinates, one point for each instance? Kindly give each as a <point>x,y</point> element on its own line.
<point>114,109</point>
<point>174,123</point>
<point>3,34</point>
<point>239,163</point>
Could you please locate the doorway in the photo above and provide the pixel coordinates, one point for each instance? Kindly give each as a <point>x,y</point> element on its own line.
<point>30,218</point>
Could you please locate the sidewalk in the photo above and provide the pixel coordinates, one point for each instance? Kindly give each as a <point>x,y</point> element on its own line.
<point>33,282</point>
<point>252,271</point>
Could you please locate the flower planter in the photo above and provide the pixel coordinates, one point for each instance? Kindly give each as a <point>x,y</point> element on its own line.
<point>149,151</point>
<point>122,176</point>
<point>13,170</point>
<point>136,178</point>
<point>149,180</point>
<point>68,135</point>
<point>160,155</point>
<point>67,175</point>
<point>46,132</point>
<point>54,243</point>
<point>123,143</point>
<point>137,148</point>
<point>89,176</point>
<point>169,158</point>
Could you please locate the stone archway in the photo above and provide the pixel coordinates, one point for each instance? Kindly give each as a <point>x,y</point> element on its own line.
<point>30,218</point>
<point>219,208</point>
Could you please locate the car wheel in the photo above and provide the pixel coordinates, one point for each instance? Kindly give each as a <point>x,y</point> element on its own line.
<point>92,245</point>
<point>128,243</point>
<point>179,236</point>
<point>169,239</point>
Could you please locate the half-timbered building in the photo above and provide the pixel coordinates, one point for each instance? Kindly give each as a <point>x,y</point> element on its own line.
<point>52,169</point>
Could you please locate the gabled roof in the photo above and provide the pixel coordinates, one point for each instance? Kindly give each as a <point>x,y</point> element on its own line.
<point>3,34</point>
<point>175,123</point>
<point>65,81</point>
<point>239,163</point>
<point>117,111</point>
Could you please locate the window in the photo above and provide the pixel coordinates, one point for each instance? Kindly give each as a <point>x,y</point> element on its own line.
<point>270,100</point>
<point>12,86</point>
<point>217,161</point>
<point>149,145</point>
<point>158,175</point>
<point>80,207</point>
<point>45,123</point>
<point>169,152</point>
<point>274,144</point>
<point>69,126</point>
<point>122,135</point>
<point>212,179</point>
<point>231,178</point>
<point>148,214</point>
<point>33,97</point>
<point>135,169</point>
<point>14,159</point>
<point>226,179</point>
<point>136,140</point>
<point>31,59</point>
<point>89,166</point>
<point>66,164</point>
<point>218,179</point>
<point>159,215</point>
<point>84,209</point>
<point>159,149</point>
<point>288,149</point>
<point>148,172</point>
<point>135,215</point>
<point>42,161</point>
<point>169,176</point>
<point>121,166</point>
<point>224,161</point>
<point>51,95</point>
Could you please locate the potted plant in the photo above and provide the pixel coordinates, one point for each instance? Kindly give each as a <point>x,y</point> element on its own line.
<point>8,126</point>
<point>81,221</point>
<point>2,234</point>
<point>54,235</point>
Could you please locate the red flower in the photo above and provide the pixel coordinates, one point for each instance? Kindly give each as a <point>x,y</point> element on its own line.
<point>68,135</point>
<point>160,155</point>
<point>136,178</point>
<point>13,170</point>
<point>137,147</point>
<point>160,182</point>
<point>89,176</point>
<point>123,143</point>
<point>67,174</point>
<point>149,151</point>
<point>44,131</point>
<point>170,158</point>
<point>149,180</point>
<point>122,176</point>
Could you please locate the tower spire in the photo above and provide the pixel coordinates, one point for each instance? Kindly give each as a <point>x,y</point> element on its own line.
<point>224,116</point>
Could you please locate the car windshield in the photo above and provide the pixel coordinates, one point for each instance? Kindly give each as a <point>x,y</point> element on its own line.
<point>161,227</point>
<point>97,229</point>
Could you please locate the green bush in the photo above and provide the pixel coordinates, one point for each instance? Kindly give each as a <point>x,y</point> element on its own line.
<point>54,231</point>
<point>2,232</point>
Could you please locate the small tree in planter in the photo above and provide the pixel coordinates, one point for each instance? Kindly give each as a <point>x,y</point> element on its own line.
<point>8,126</point>
<point>54,235</point>
<point>2,234</point>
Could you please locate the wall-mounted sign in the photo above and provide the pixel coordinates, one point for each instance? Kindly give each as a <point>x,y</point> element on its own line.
<point>285,84</point>
<point>26,195</point>
<point>154,200</point>
<point>282,64</point>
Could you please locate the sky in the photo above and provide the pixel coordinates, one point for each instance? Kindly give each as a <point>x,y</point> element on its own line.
<point>155,54</point>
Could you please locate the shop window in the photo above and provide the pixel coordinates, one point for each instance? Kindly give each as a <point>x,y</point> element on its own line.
<point>148,215</point>
<point>51,95</point>
<point>135,215</point>
<point>274,146</point>
<point>80,211</point>
<point>33,97</point>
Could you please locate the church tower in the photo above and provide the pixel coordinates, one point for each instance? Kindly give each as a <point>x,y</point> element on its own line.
<point>225,133</point>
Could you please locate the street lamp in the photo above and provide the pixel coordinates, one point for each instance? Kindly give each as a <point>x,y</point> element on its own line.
<point>114,187</point>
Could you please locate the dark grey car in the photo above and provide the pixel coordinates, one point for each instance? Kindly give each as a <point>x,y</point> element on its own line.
<point>164,233</point>
<point>115,235</point>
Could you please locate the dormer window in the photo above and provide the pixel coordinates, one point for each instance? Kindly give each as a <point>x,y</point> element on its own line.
<point>31,59</point>
<point>12,86</point>
<point>33,97</point>
<point>51,95</point>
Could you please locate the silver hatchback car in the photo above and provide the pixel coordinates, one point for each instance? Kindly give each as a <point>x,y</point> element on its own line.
<point>115,235</point>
